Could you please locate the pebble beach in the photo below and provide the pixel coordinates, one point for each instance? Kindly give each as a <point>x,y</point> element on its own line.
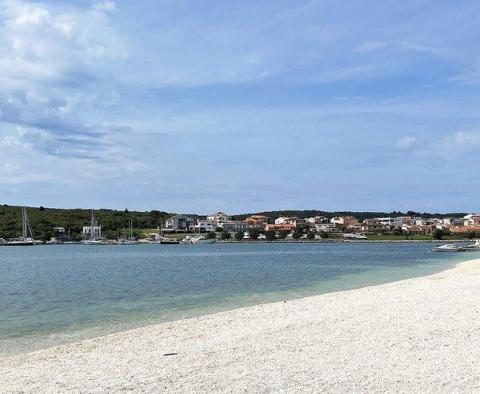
<point>416,335</point>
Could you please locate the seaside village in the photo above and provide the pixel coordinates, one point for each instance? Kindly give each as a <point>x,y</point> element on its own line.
<point>184,228</point>
<point>320,227</point>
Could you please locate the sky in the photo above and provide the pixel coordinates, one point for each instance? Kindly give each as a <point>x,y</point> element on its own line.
<point>240,106</point>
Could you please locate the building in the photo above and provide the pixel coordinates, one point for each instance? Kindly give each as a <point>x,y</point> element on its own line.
<point>205,225</point>
<point>471,220</point>
<point>317,220</point>
<point>372,226</point>
<point>258,221</point>
<point>180,223</point>
<point>413,229</point>
<point>345,221</point>
<point>328,228</point>
<point>464,230</point>
<point>290,220</point>
<point>280,227</point>
<point>218,218</point>
<point>391,222</point>
<point>234,226</point>
<point>87,232</point>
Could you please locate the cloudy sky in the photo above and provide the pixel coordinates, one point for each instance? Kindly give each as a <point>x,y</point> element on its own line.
<point>240,106</point>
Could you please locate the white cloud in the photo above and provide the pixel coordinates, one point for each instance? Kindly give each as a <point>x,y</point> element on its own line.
<point>462,140</point>
<point>406,142</point>
<point>106,6</point>
<point>370,46</point>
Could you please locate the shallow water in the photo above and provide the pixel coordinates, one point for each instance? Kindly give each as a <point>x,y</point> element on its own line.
<point>55,294</point>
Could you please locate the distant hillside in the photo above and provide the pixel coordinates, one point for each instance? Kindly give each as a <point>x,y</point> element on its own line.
<point>359,215</point>
<point>43,220</point>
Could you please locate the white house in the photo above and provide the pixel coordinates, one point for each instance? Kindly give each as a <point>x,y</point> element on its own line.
<point>205,225</point>
<point>218,218</point>
<point>290,220</point>
<point>179,223</point>
<point>234,226</point>
<point>329,228</point>
<point>471,220</point>
<point>87,232</point>
<point>317,220</point>
<point>392,222</point>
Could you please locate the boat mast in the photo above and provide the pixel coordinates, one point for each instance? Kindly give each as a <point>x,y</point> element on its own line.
<point>92,225</point>
<point>26,228</point>
<point>24,224</point>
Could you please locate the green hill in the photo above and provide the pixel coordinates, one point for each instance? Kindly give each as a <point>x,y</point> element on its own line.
<point>43,220</point>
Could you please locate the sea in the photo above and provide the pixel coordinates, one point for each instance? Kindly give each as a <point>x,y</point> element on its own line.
<point>53,294</point>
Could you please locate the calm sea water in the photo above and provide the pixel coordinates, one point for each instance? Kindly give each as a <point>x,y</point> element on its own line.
<point>55,294</point>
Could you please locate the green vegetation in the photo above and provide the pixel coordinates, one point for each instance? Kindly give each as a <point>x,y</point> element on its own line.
<point>211,235</point>
<point>239,235</point>
<point>270,235</point>
<point>254,233</point>
<point>438,234</point>
<point>43,220</point>
<point>225,236</point>
<point>298,232</point>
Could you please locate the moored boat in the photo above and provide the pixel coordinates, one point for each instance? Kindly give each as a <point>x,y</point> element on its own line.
<point>354,236</point>
<point>27,237</point>
<point>449,248</point>
<point>169,241</point>
<point>474,246</point>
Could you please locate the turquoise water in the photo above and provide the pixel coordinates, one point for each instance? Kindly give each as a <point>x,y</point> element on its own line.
<point>55,294</point>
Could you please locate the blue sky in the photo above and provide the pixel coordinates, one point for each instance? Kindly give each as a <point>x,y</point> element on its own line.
<point>241,106</point>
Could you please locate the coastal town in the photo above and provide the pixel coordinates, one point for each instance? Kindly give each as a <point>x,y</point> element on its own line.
<point>219,226</point>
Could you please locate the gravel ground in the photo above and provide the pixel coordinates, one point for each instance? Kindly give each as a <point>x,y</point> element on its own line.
<point>419,335</point>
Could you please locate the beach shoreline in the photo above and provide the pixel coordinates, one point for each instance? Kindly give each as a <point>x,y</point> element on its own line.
<point>417,335</point>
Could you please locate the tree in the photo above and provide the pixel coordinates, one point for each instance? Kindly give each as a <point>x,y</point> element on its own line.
<point>254,233</point>
<point>311,235</point>
<point>438,234</point>
<point>270,235</point>
<point>397,231</point>
<point>225,236</point>
<point>324,234</point>
<point>211,235</point>
<point>282,234</point>
<point>110,234</point>
<point>298,232</point>
<point>239,235</point>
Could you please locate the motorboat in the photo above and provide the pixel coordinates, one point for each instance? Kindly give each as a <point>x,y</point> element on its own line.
<point>474,246</point>
<point>202,240</point>
<point>449,248</point>
<point>169,241</point>
<point>199,240</point>
<point>354,236</point>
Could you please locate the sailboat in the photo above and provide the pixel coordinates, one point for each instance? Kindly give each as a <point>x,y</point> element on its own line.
<point>27,238</point>
<point>93,240</point>
<point>131,239</point>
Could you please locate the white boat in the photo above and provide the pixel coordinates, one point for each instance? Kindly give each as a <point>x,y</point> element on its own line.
<point>449,248</point>
<point>199,240</point>
<point>355,236</point>
<point>27,237</point>
<point>474,246</point>
<point>93,240</point>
